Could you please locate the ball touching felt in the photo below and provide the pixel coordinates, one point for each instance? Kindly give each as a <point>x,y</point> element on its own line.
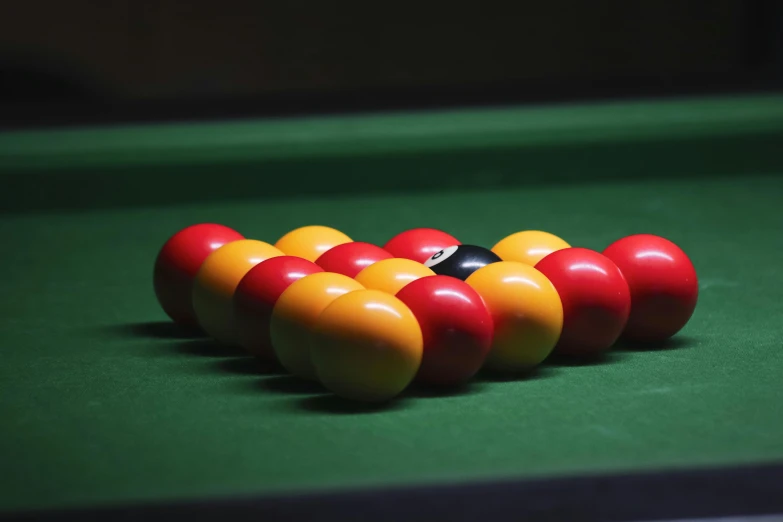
<point>216,281</point>
<point>456,328</point>
<point>367,347</point>
<point>595,296</point>
<point>256,296</point>
<point>526,311</point>
<point>528,246</point>
<point>419,244</point>
<point>295,313</point>
<point>663,284</point>
<point>311,242</point>
<point>178,263</point>
<point>351,258</point>
<point>460,260</point>
<point>391,275</point>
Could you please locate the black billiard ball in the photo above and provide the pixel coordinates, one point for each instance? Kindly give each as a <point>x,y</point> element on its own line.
<point>460,260</point>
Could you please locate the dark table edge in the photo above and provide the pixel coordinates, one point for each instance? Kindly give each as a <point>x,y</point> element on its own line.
<point>745,491</point>
<point>98,107</point>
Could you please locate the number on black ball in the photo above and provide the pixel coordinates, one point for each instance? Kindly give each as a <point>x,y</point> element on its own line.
<point>460,260</point>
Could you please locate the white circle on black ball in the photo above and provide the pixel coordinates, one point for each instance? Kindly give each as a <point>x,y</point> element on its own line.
<point>440,256</point>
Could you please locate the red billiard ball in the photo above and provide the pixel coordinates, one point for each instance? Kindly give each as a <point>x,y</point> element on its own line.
<point>178,263</point>
<point>419,244</point>
<point>456,325</point>
<point>255,298</point>
<point>663,283</point>
<point>351,258</point>
<point>595,296</point>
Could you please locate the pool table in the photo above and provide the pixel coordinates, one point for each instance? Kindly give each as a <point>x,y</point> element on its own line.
<point>109,411</point>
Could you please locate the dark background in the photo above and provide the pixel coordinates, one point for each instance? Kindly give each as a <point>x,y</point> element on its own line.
<point>85,61</point>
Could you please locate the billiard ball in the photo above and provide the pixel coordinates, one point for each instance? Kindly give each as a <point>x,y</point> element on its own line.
<point>526,311</point>
<point>295,313</point>
<point>419,244</point>
<point>595,296</point>
<point>178,262</point>
<point>351,258</point>
<point>456,327</point>
<point>528,246</point>
<point>391,275</point>
<point>460,260</point>
<point>367,346</point>
<point>663,283</point>
<point>311,242</point>
<point>216,281</point>
<point>255,298</point>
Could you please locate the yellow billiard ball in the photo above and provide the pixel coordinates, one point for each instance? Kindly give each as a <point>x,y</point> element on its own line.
<point>216,281</point>
<point>526,311</point>
<point>528,246</point>
<point>311,241</point>
<point>367,346</point>
<point>391,275</point>
<point>295,313</point>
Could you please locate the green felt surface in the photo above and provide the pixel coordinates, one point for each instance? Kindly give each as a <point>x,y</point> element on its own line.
<point>101,402</point>
<point>99,406</point>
